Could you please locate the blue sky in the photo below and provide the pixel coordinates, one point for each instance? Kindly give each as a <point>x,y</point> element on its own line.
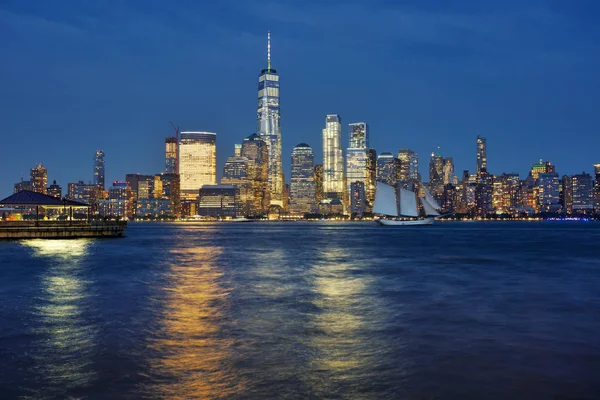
<point>80,76</point>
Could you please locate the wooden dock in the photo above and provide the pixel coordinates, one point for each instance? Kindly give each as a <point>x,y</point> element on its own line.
<point>14,230</point>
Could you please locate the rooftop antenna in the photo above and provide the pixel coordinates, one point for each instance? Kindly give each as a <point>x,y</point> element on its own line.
<point>268,49</point>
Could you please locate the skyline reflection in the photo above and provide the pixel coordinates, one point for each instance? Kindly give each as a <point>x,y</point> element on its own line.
<point>191,355</point>
<point>67,337</point>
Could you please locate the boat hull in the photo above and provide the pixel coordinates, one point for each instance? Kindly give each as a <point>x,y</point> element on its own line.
<point>407,222</point>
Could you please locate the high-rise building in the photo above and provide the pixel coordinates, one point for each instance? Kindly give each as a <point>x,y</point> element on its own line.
<point>119,202</point>
<point>484,194</point>
<point>333,158</point>
<point>371,179</point>
<point>597,187</point>
<point>409,165</point>
<point>506,190</point>
<point>237,149</point>
<point>255,149</point>
<point>548,186</point>
<point>481,154</point>
<point>171,155</point>
<point>358,159</point>
<point>197,161</point>
<point>237,171</point>
<point>358,198</point>
<point>388,168</point>
<point>219,201</point>
<point>583,193</point>
<point>319,182</point>
<point>359,135</point>
<point>99,172</point>
<point>54,190</point>
<point>39,179</point>
<point>268,125</point>
<point>23,185</point>
<point>543,167</point>
<point>302,182</point>
<point>436,169</point>
<point>87,193</point>
<point>448,171</point>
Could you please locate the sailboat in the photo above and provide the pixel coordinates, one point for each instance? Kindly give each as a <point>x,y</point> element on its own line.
<point>404,211</point>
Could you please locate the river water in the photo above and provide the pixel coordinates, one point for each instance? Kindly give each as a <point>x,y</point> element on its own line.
<point>303,310</point>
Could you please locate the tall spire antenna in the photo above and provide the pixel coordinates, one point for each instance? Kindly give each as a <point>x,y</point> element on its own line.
<point>268,49</point>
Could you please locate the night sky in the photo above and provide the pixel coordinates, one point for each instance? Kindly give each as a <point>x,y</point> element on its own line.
<point>80,76</point>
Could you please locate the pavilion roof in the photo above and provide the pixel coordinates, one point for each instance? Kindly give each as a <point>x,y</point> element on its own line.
<point>29,198</point>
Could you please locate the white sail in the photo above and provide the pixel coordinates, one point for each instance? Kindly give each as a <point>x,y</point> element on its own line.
<point>428,208</point>
<point>408,203</point>
<point>431,200</point>
<point>385,200</point>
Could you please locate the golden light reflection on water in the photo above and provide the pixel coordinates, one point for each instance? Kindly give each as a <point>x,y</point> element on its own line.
<point>342,348</point>
<point>67,339</point>
<point>191,356</point>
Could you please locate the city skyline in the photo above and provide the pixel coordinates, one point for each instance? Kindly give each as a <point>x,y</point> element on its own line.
<point>132,138</point>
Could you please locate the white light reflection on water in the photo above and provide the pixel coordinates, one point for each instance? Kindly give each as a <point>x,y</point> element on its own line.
<point>345,352</point>
<point>190,354</point>
<point>67,339</point>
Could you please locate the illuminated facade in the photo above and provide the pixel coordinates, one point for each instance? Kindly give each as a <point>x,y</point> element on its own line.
<point>99,172</point>
<point>333,158</point>
<point>197,161</point>
<point>409,165</point>
<point>358,199</point>
<point>171,155</point>
<point>484,194</point>
<point>548,189</point>
<point>54,190</point>
<point>23,185</point>
<point>238,172</point>
<point>387,168</point>
<point>302,182</point>
<point>543,167</point>
<point>506,193</point>
<point>597,187</point>
<point>448,172</point>
<point>318,182</point>
<point>578,193</point>
<point>119,202</point>
<point>361,162</point>
<point>436,169</point>
<point>255,149</point>
<point>39,179</point>
<point>268,126</point>
<point>219,201</point>
<point>481,154</point>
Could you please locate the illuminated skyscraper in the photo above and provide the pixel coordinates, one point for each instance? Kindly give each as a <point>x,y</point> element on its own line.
<point>197,161</point>
<point>255,149</point>
<point>359,163</point>
<point>448,171</point>
<point>333,158</point>
<point>481,154</point>
<point>548,186</point>
<point>578,193</point>
<point>409,165</point>
<point>359,135</point>
<point>597,187</point>
<point>319,182</point>
<point>387,168</point>
<point>268,125</point>
<point>436,169</point>
<point>171,155</point>
<point>543,167</point>
<point>39,179</point>
<point>54,190</point>
<point>238,172</point>
<point>99,169</point>
<point>302,182</point>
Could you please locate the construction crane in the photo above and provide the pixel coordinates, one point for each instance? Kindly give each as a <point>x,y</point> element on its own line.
<point>177,132</point>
